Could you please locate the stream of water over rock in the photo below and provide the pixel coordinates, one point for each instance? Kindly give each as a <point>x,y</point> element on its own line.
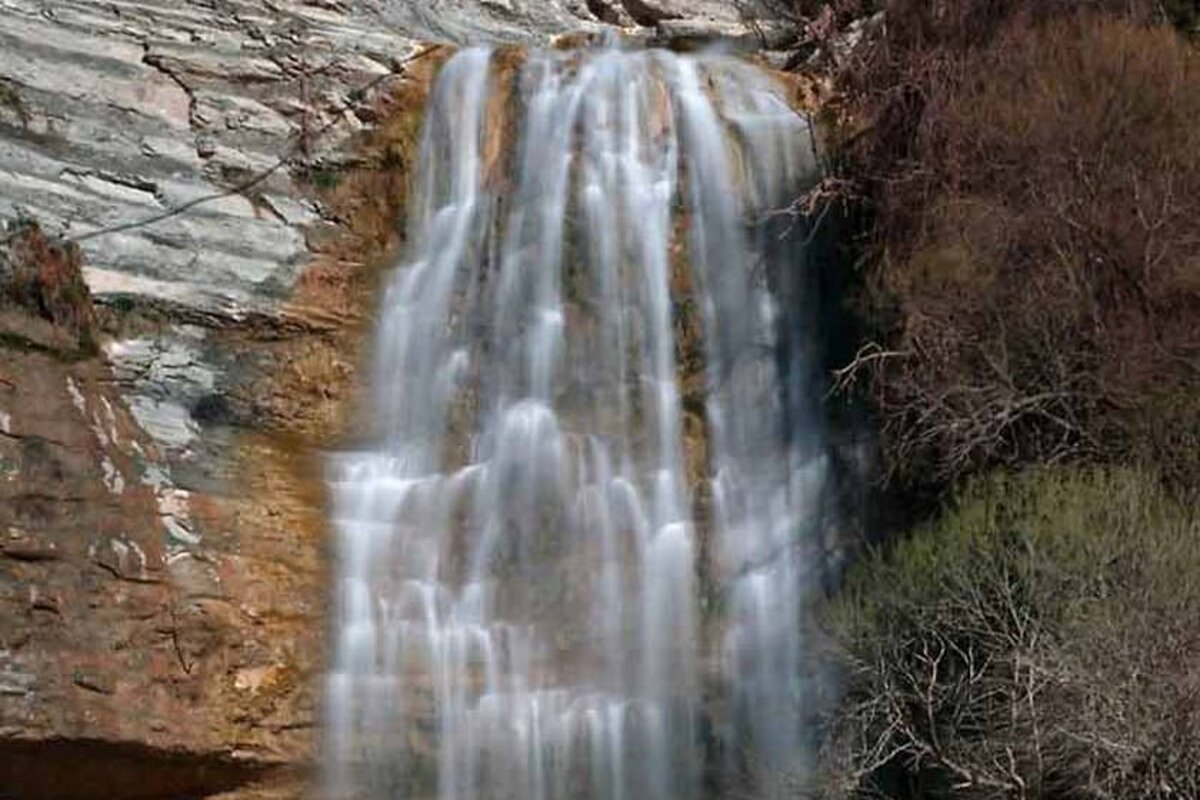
<point>573,557</point>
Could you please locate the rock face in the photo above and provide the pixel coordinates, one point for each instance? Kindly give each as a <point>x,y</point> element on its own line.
<point>122,636</point>
<point>118,112</point>
<point>168,382</point>
<point>532,20</point>
<point>161,521</point>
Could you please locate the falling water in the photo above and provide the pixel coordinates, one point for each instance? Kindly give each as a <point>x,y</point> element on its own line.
<point>574,554</point>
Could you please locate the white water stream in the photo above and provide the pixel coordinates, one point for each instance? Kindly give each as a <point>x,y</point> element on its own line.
<point>572,556</point>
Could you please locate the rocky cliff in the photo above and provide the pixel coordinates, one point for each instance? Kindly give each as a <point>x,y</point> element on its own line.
<point>161,531</point>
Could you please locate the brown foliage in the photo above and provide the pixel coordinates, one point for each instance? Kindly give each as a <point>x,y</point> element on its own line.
<point>1036,178</point>
<point>46,278</point>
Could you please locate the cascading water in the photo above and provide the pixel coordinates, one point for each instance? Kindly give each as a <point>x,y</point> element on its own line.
<point>573,555</point>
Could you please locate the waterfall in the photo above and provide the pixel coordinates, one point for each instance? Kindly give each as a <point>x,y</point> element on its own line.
<point>573,556</point>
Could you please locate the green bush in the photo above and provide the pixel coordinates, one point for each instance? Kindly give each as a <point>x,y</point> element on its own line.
<point>1041,640</point>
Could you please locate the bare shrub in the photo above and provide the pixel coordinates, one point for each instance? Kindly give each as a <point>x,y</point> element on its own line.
<point>1035,174</point>
<point>1039,642</point>
<point>46,278</point>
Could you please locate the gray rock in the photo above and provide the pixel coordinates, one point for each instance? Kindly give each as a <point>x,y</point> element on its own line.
<point>652,12</point>
<point>129,110</point>
<point>740,36</point>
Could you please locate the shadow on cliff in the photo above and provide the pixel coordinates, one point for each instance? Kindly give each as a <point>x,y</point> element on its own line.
<point>80,769</point>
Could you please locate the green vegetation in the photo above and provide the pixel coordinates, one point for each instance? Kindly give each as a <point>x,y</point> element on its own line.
<point>321,178</point>
<point>1040,640</point>
<point>10,99</point>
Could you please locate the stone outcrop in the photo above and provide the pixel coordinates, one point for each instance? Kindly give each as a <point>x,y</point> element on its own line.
<point>115,113</point>
<point>162,531</point>
<point>533,20</point>
<point>230,173</point>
